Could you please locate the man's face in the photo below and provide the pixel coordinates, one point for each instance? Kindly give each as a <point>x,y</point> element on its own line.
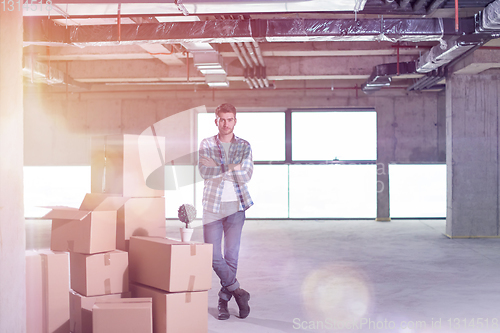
<point>225,122</point>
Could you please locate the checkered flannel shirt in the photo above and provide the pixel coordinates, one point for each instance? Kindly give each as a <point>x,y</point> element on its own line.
<point>240,151</point>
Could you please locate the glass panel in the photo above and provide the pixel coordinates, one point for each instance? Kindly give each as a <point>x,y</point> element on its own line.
<point>54,186</point>
<point>183,194</point>
<point>264,130</point>
<point>342,135</point>
<point>333,191</point>
<point>269,191</point>
<point>417,190</point>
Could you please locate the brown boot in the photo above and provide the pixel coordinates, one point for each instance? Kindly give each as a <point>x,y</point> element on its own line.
<point>242,297</point>
<point>223,311</point>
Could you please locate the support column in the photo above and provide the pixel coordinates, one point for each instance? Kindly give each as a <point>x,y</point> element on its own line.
<point>383,199</point>
<point>12,231</point>
<point>472,143</point>
<point>386,138</point>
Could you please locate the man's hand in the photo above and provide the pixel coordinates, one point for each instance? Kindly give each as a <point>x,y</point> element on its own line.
<point>208,162</point>
<point>235,167</point>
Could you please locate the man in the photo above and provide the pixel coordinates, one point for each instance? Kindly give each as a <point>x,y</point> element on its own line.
<point>226,165</point>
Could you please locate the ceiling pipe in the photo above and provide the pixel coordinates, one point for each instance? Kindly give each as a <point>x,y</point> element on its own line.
<point>245,54</point>
<point>238,54</point>
<point>251,52</point>
<point>259,53</point>
<point>242,61</point>
<point>418,5</point>
<point>403,3</point>
<point>434,5</point>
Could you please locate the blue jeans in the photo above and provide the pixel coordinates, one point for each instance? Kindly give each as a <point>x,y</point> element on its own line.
<point>228,223</point>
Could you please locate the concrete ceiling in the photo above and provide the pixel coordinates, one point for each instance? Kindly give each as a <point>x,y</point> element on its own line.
<point>95,53</point>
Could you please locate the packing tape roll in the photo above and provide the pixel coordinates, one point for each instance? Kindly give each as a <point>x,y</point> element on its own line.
<point>193,249</point>
<point>107,259</point>
<point>191,283</point>
<point>107,286</point>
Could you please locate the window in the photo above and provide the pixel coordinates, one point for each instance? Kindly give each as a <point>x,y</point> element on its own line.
<point>264,130</point>
<point>334,135</point>
<point>417,190</point>
<point>54,186</point>
<point>333,191</point>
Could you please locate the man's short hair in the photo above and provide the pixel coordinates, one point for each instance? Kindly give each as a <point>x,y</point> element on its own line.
<point>225,108</point>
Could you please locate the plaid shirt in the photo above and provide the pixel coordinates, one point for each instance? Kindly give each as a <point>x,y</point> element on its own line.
<point>239,152</point>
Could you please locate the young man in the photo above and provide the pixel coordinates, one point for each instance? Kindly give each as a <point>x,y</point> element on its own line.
<point>226,165</point>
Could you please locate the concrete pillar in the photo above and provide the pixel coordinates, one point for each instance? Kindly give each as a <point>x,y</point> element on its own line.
<point>383,199</point>
<point>12,232</point>
<point>472,143</point>
<point>386,138</point>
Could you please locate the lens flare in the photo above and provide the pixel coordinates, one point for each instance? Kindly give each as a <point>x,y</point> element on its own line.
<point>338,293</point>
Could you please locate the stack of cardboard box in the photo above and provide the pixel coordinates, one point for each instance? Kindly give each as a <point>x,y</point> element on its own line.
<point>97,269</point>
<point>176,276</point>
<point>124,212</point>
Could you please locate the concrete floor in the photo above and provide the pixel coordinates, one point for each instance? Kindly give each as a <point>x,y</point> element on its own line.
<point>404,276</point>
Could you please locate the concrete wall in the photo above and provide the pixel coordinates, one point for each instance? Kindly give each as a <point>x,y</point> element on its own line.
<point>58,131</point>
<point>473,148</point>
<point>12,230</point>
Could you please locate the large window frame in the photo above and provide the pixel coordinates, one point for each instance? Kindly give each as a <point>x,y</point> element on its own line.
<point>289,161</point>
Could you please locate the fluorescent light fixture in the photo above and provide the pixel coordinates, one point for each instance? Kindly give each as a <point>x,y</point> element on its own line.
<point>190,18</point>
<point>218,84</point>
<point>93,21</point>
<point>208,71</point>
<point>217,80</point>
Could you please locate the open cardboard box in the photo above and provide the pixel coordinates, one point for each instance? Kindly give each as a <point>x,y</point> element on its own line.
<point>89,229</point>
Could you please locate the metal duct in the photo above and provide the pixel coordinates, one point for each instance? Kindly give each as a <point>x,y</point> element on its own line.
<point>437,56</point>
<point>40,72</point>
<point>429,80</point>
<point>436,61</point>
<point>382,75</point>
<point>490,18</point>
<point>46,32</point>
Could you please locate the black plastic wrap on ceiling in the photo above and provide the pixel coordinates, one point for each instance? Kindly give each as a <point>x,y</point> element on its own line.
<point>44,31</point>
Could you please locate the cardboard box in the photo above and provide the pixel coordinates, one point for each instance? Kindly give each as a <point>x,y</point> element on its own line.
<point>81,310</point>
<point>47,287</point>
<point>169,264</point>
<point>125,315</point>
<point>89,229</point>
<point>140,217</point>
<point>122,164</point>
<point>176,312</point>
<point>99,274</point>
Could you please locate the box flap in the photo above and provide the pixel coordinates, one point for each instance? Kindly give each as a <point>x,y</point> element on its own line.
<point>66,213</point>
<point>102,202</point>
